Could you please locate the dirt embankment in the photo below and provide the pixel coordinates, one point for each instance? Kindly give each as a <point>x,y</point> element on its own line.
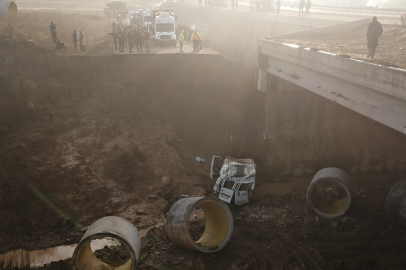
<point>85,137</point>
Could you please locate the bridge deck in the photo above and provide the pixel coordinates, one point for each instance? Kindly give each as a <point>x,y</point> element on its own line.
<point>390,51</point>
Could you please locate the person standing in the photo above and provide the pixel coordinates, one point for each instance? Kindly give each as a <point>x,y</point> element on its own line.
<point>278,6</point>
<point>52,29</point>
<point>187,34</point>
<point>75,39</point>
<point>124,31</point>
<point>146,37</point>
<point>374,31</point>
<point>195,39</point>
<point>190,33</point>
<point>120,37</point>
<point>82,41</point>
<point>308,6</point>
<point>114,35</point>
<point>232,4</point>
<point>181,39</point>
<point>130,40</point>
<point>201,39</point>
<point>138,40</point>
<point>301,7</point>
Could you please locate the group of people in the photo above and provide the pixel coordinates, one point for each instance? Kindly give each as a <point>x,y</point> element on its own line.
<point>304,8</point>
<point>132,35</point>
<point>81,37</point>
<point>75,37</point>
<point>184,34</point>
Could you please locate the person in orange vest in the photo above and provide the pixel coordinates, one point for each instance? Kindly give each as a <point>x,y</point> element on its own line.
<point>196,41</point>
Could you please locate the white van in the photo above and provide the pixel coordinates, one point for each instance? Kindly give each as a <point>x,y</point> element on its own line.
<point>165,27</point>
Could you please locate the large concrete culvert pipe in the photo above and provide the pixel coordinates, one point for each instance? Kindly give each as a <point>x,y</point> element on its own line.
<point>329,193</point>
<point>395,202</point>
<point>114,227</point>
<point>217,231</point>
<point>8,8</point>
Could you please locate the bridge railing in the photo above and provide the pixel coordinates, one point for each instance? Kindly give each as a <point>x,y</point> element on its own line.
<point>363,9</point>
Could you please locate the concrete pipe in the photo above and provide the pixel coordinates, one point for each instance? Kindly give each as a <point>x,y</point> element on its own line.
<point>114,227</point>
<point>8,8</point>
<point>217,231</point>
<point>329,193</point>
<point>395,202</point>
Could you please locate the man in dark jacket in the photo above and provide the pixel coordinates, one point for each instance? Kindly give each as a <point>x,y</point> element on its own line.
<point>374,31</point>
<point>52,29</point>
<point>130,40</point>
<point>75,39</point>
<point>120,37</point>
<point>138,40</point>
<point>146,37</point>
<point>278,6</point>
<point>60,45</point>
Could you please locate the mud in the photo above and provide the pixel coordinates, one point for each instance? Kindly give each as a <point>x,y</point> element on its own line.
<point>38,258</point>
<point>85,137</point>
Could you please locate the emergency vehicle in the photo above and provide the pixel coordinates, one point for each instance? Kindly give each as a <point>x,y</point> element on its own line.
<point>165,27</point>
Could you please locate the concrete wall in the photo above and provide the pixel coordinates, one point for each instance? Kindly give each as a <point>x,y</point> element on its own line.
<point>307,132</point>
<point>234,33</point>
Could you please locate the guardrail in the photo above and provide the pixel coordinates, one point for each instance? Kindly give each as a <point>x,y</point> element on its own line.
<point>363,9</point>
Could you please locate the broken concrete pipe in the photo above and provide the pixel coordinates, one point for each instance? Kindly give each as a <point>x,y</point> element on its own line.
<point>8,8</point>
<point>395,202</point>
<point>329,193</point>
<point>114,227</point>
<point>217,231</point>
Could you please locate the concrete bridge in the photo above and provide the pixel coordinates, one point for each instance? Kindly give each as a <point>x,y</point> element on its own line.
<point>321,109</point>
<point>375,91</point>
